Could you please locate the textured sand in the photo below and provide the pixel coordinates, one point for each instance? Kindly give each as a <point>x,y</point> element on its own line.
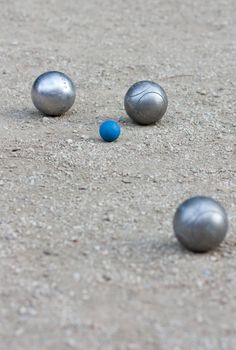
<point>88,257</point>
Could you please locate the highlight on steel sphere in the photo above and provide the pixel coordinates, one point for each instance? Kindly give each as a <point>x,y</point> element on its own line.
<point>200,224</point>
<point>53,93</point>
<point>146,102</point>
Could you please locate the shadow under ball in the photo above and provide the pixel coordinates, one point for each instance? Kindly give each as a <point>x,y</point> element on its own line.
<point>146,102</point>
<point>53,93</point>
<point>200,224</point>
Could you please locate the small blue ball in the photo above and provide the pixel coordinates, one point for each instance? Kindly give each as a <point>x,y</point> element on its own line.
<point>109,130</point>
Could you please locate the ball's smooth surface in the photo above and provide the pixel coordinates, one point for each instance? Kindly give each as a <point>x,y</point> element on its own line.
<point>109,130</point>
<point>53,93</point>
<point>146,102</point>
<point>200,224</point>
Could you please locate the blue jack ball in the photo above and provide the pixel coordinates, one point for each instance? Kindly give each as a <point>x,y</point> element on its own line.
<point>109,130</point>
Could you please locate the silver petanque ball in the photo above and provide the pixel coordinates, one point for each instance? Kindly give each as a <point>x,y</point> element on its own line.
<point>200,224</point>
<point>53,93</point>
<point>146,102</point>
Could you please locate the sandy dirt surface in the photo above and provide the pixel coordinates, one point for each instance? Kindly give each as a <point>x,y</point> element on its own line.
<point>88,256</point>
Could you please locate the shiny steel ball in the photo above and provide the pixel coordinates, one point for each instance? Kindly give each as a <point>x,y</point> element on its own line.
<point>146,102</point>
<point>200,224</point>
<point>53,93</point>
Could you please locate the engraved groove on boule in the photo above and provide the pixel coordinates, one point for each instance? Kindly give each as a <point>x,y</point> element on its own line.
<point>147,93</point>
<point>141,92</point>
<point>198,228</point>
<point>148,105</point>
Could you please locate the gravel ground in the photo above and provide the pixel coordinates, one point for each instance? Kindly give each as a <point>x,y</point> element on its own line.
<point>88,255</point>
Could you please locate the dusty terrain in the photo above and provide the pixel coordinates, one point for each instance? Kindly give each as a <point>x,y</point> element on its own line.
<point>88,257</point>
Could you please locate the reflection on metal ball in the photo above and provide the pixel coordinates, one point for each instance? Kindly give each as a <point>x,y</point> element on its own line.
<point>146,102</point>
<point>53,93</point>
<point>200,224</point>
